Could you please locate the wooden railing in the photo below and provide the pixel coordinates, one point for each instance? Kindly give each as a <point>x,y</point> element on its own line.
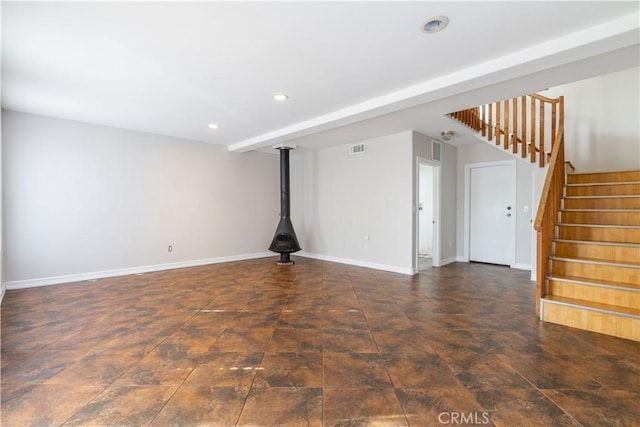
<point>527,124</point>
<point>547,214</point>
<point>530,126</point>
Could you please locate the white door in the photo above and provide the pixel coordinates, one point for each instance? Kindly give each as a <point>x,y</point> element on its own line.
<point>425,211</point>
<point>491,214</point>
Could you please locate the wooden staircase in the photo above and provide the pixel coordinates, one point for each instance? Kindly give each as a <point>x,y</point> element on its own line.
<point>593,276</point>
<point>587,225</point>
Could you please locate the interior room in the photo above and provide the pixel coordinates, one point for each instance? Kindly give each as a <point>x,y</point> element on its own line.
<point>319,213</point>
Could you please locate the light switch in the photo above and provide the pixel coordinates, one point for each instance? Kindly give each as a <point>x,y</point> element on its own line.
<point>526,209</point>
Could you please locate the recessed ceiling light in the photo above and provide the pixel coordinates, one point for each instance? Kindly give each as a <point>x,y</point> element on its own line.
<point>280,97</point>
<point>435,24</point>
<point>214,126</point>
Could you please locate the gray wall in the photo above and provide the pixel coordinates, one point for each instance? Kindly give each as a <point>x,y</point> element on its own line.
<point>602,121</point>
<point>85,199</point>
<point>342,199</point>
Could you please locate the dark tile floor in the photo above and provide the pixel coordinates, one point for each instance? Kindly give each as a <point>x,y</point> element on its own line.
<point>316,344</point>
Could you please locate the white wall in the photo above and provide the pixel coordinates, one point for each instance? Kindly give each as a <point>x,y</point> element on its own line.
<point>483,152</point>
<point>83,199</point>
<point>449,203</point>
<point>348,197</point>
<point>602,121</point>
<point>2,282</point>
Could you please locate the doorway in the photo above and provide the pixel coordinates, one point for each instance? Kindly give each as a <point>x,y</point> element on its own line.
<point>428,221</point>
<point>490,214</point>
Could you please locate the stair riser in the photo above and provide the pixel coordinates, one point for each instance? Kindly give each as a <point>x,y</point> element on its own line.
<point>609,324</point>
<point>603,190</point>
<point>626,275</point>
<point>583,178</point>
<point>601,295</point>
<point>600,218</point>
<point>606,253</point>
<point>599,234</point>
<point>603,203</point>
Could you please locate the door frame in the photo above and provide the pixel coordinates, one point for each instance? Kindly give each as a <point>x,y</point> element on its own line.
<point>436,260</point>
<point>467,205</point>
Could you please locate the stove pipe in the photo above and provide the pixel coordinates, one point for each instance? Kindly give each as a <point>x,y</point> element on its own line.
<point>284,241</point>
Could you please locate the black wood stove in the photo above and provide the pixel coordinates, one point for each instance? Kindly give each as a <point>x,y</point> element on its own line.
<point>284,241</point>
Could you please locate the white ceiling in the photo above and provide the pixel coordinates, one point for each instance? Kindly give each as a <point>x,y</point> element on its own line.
<point>352,70</point>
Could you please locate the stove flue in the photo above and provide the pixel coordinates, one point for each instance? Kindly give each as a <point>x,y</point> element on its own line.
<point>284,241</point>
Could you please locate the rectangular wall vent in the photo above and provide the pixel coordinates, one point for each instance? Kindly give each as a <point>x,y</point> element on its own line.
<point>356,149</point>
<point>435,150</point>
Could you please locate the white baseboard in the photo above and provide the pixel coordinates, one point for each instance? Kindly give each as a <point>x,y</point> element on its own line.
<point>3,289</point>
<point>521,266</point>
<point>46,281</point>
<point>348,261</point>
<point>451,260</point>
<point>534,276</point>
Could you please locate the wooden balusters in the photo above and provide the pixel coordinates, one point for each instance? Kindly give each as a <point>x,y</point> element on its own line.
<point>541,153</point>
<point>523,128</point>
<point>514,136</point>
<point>483,119</point>
<point>506,125</point>
<point>498,123</point>
<point>490,136</point>
<point>553,125</point>
<point>532,140</point>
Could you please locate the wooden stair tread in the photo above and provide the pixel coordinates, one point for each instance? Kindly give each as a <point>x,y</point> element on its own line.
<point>595,261</point>
<point>596,283</point>
<point>569,224</point>
<point>596,242</point>
<point>605,196</point>
<point>595,306</point>
<point>588,184</point>
<point>611,176</point>
<point>601,210</point>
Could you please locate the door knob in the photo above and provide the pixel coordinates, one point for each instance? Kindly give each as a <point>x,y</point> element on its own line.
<point>508,208</point>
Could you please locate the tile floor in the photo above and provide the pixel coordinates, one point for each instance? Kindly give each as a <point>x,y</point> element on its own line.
<point>317,344</point>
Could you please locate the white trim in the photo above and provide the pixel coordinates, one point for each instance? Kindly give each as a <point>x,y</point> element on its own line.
<point>437,235</point>
<point>3,289</point>
<point>386,267</point>
<point>448,261</point>
<point>467,202</point>
<point>521,266</point>
<point>46,281</point>
<point>534,275</point>
<point>460,259</point>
